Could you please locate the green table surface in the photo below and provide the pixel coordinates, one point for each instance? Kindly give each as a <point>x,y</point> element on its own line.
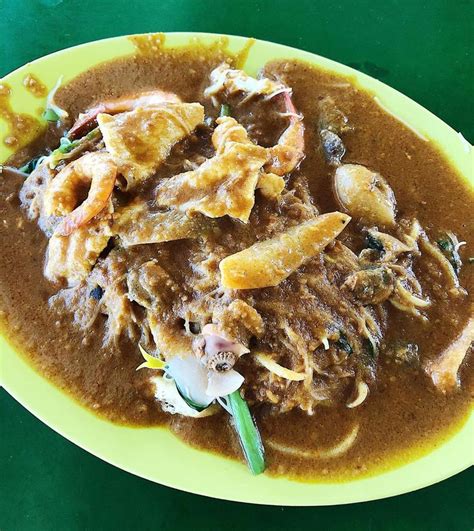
<point>422,48</point>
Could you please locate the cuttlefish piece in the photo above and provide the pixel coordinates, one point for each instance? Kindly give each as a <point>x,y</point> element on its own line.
<point>443,371</point>
<point>365,194</point>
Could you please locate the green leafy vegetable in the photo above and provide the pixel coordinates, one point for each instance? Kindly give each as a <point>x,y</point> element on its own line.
<point>51,115</point>
<point>66,145</point>
<point>247,432</point>
<point>31,165</point>
<point>449,245</point>
<point>225,110</point>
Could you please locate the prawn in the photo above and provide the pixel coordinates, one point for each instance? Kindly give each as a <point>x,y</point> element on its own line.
<point>151,98</point>
<point>96,169</point>
<point>288,153</point>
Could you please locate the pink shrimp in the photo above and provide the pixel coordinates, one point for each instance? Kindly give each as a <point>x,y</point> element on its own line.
<point>289,152</point>
<point>96,169</point>
<point>151,98</point>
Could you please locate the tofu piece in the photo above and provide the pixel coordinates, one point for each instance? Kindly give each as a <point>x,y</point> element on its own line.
<point>73,257</point>
<point>269,262</point>
<point>139,141</point>
<point>136,224</point>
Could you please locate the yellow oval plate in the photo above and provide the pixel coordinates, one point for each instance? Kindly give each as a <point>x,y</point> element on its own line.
<point>155,453</point>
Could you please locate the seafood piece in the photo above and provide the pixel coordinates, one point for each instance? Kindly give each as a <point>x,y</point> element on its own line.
<point>228,80</point>
<point>220,353</point>
<point>88,120</point>
<point>289,151</point>
<point>269,262</point>
<point>365,194</point>
<point>73,257</point>
<point>443,371</point>
<point>201,378</point>
<point>333,147</point>
<point>137,224</point>
<point>140,140</point>
<point>382,247</point>
<point>331,117</point>
<point>95,169</point>
<point>372,285</point>
<point>332,123</point>
<point>224,184</point>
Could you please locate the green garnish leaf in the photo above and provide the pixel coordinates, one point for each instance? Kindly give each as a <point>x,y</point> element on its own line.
<point>444,245</point>
<point>225,110</point>
<point>31,165</point>
<point>343,344</point>
<point>50,115</point>
<point>66,146</point>
<point>449,245</point>
<point>248,433</point>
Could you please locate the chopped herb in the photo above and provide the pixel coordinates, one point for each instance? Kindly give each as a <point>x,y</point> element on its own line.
<point>248,433</point>
<point>31,165</point>
<point>50,115</point>
<point>444,245</point>
<point>343,344</point>
<point>374,243</point>
<point>449,245</point>
<point>96,293</point>
<point>225,110</point>
<point>66,146</point>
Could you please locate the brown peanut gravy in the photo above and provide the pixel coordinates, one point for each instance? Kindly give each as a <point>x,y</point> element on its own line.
<point>404,415</point>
